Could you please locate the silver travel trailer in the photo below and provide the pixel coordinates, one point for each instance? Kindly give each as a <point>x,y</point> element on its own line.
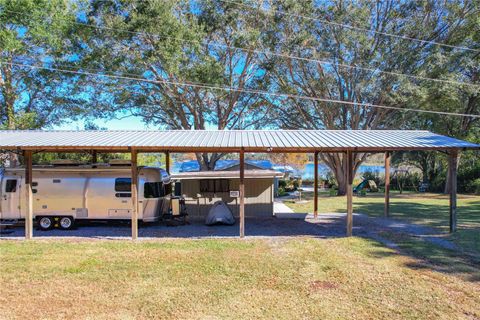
<point>64,194</point>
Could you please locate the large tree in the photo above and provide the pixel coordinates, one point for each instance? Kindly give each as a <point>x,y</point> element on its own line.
<point>175,42</point>
<point>455,65</point>
<point>341,46</point>
<point>35,33</point>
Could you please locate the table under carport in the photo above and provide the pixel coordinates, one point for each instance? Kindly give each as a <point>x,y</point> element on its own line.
<point>347,142</point>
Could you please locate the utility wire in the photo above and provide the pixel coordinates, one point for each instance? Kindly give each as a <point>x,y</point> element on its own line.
<point>277,54</point>
<point>347,26</point>
<point>250,91</point>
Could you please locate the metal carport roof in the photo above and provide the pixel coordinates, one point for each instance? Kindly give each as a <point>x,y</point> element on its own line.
<point>234,140</point>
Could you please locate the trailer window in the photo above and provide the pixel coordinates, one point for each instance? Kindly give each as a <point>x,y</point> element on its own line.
<point>153,190</point>
<point>11,185</point>
<point>123,185</point>
<point>214,185</point>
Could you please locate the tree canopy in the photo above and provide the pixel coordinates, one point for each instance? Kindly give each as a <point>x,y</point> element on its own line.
<point>36,33</point>
<point>203,64</point>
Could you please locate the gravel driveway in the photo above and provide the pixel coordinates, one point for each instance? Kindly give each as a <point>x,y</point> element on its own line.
<point>254,227</point>
<point>327,225</point>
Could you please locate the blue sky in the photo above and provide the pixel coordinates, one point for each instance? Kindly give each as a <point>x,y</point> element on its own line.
<point>130,123</point>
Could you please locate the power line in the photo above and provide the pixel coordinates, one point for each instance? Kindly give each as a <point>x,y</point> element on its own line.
<point>342,25</point>
<point>250,91</point>
<point>276,54</point>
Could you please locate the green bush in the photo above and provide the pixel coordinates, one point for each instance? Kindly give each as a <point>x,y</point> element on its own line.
<point>282,184</point>
<point>408,181</point>
<point>438,182</point>
<point>468,176</point>
<point>370,175</point>
<point>474,186</point>
<point>281,191</point>
<point>296,183</point>
<point>307,182</point>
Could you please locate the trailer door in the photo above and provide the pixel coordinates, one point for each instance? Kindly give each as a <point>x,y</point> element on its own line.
<point>10,198</point>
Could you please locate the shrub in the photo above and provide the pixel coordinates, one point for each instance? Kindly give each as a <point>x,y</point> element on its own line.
<point>406,181</point>
<point>468,176</point>
<point>296,183</point>
<point>474,186</point>
<point>307,182</point>
<point>370,175</point>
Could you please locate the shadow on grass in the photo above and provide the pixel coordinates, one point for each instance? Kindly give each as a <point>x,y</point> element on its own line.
<point>435,214</point>
<point>430,256</point>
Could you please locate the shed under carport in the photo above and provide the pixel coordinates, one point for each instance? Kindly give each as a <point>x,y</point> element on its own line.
<point>201,189</point>
<point>346,142</point>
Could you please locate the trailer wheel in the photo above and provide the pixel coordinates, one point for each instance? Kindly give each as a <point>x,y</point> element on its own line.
<point>66,223</point>
<point>45,223</point>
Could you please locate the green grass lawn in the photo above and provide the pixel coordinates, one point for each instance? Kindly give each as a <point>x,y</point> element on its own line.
<point>426,208</point>
<point>278,278</point>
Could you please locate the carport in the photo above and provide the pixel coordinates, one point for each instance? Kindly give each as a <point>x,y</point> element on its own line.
<point>347,142</point>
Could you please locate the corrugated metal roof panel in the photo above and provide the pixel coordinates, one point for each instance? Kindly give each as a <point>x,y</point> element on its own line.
<point>259,140</point>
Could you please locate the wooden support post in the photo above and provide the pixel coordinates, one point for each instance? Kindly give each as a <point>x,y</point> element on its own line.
<point>349,176</point>
<point>29,196</point>
<point>168,187</point>
<point>452,167</point>
<point>242,194</point>
<point>388,158</point>
<point>167,162</point>
<point>315,186</point>
<point>94,157</point>
<point>134,194</point>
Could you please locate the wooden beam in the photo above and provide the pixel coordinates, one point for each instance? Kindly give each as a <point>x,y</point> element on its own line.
<point>242,194</point>
<point>388,158</point>
<point>134,194</point>
<point>452,167</point>
<point>167,162</point>
<point>28,195</point>
<point>94,157</point>
<point>315,186</point>
<point>349,176</point>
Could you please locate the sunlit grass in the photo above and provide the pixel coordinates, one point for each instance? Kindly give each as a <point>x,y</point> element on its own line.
<point>426,208</point>
<point>196,279</point>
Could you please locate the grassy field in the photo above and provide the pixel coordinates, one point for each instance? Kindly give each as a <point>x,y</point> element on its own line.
<point>208,279</point>
<point>427,208</point>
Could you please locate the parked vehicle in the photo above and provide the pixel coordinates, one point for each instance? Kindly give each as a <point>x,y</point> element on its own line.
<point>64,194</point>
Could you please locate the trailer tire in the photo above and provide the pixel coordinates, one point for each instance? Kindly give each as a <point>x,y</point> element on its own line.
<point>66,223</point>
<point>45,223</point>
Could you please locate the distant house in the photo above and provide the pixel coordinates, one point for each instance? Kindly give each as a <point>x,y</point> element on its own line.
<point>202,189</point>
<point>222,164</point>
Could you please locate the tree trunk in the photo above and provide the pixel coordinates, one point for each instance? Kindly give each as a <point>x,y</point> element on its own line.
<point>341,180</point>
<point>447,180</point>
<point>337,163</point>
<point>9,100</point>
<point>12,157</point>
<point>207,161</point>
